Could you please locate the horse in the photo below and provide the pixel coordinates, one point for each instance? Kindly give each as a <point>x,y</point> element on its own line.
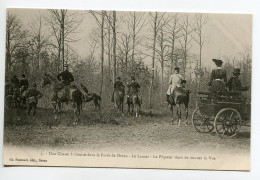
<point>119,99</point>
<point>134,102</point>
<point>87,97</point>
<point>60,94</point>
<point>178,97</point>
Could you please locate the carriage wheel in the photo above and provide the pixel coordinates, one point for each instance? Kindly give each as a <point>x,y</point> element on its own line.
<point>9,102</point>
<point>201,123</point>
<point>227,122</point>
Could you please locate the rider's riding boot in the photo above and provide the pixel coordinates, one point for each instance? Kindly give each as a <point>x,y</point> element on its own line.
<point>167,98</point>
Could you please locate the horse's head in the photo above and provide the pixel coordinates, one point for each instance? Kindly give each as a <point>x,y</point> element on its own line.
<point>45,81</point>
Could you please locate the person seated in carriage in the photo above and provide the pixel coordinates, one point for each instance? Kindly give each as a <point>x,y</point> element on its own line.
<point>118,86</point>
<point>218,79</point>
<point>234,84</point>
<point>65,77</point>
<point>175,81</point>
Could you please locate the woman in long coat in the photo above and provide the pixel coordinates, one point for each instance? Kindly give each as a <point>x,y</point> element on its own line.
<point>218,78</point>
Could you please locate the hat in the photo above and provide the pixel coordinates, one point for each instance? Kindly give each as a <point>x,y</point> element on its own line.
<point>119,78</point>
<point>177,68</point>
<point>217,61</point>
<point>23,75</point>
<point>34,85</point>
<point>236,71</point>
<point>132,78</point>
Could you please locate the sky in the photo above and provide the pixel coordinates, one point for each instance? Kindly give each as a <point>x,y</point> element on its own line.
<point>227,35</point>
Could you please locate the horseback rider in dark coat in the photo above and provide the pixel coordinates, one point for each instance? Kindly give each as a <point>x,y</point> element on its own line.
<point>65,77</point>
<point>133,87</point>
<point>118,86</point>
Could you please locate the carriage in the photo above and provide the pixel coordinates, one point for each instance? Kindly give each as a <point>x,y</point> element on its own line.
<point>224,113</point>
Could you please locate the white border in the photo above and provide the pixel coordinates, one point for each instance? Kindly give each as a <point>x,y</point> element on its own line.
<point>213,6</point>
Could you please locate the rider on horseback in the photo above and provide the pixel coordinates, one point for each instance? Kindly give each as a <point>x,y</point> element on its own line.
<point>175,81</point>
<point>133,87</point>
<point>65,77</point>
<point>118,86</point>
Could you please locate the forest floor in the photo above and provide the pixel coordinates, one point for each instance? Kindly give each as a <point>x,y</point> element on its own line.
<point>105,129</point>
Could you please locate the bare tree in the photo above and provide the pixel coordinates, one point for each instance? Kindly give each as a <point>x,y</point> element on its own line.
<point>162,52</point>
<point>100,23</point>
<point>63,25</point>
<point>173,30</point>
<point>199,24</point>
<point>125,48</point>
<point>185,43</point>
<point>156,23</point>
<point>135,25</point>
<point>112,22</point>
<point>15,39</point>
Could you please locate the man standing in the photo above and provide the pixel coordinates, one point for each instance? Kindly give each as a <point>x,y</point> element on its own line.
<point>65,77</point>
<point>175,81</point>
<point>118,86</point>
<point>32,99</point>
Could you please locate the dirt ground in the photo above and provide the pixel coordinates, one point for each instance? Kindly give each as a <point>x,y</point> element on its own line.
<point>107,130</point>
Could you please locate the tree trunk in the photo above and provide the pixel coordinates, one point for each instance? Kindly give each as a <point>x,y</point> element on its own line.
<point>133,51</point>
<point>153,59</point>
<point>114,46</point>
<point>102,52</point>
<point>62,38</point>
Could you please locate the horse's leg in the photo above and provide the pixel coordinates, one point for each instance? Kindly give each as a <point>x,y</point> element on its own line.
<point>178,115</point>
<point>187,113</point>
<point>172,117</point>
<point>75,114</point>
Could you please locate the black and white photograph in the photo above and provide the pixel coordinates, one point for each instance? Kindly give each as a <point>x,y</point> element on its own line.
<point>127,89</point>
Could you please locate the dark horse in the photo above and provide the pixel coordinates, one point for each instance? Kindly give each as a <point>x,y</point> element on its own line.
<point>179,96</point>
<point>60,94</point>
<point>134,102</point>
<point>119,99</point>
<point>87,97</point>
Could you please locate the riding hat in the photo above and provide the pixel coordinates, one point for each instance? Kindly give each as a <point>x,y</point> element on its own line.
<point>217,61</point>
<point>236,71</point>
<point>132,78</point>
<point>119,78</point>
<point>23,75</point>
<point>34,85</point>
<point>177,68</point>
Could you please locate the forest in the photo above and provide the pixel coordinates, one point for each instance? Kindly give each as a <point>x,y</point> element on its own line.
<point>147,45</point>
